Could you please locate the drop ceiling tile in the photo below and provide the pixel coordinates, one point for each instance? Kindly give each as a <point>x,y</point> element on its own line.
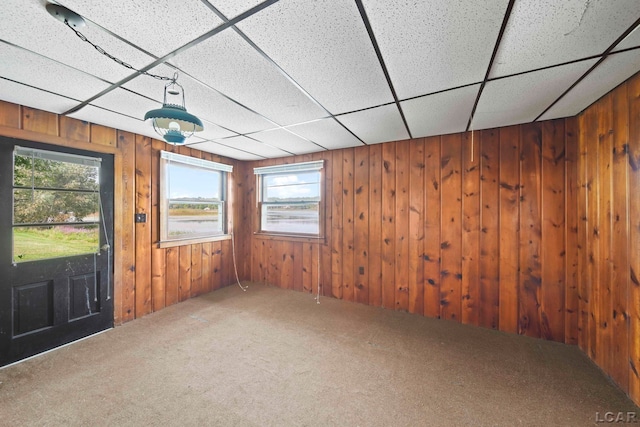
<point>548,32</point>
<point>503,102</point>
<point>233,8</point>
<point>203,101</point>
<point>34,70</point>
<point>230,65</point>
<point>35,98</point>
<point>223,150</point>
<point>100,116</point>
<point>288,141</point>
<point>442,113</point>
<point>252,146</point>
<point>125,102</point>
<point>54,40</point>
<point>632,40</point>
<point>213,131</point>
<point>376,125</point>
<point>613,71</point>
<point>433,45</point>
<point>174,23</point>
<point>326,132</point>
<point>331,55</point>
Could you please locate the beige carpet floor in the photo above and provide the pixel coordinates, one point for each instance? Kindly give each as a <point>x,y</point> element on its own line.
<point>271,357</point>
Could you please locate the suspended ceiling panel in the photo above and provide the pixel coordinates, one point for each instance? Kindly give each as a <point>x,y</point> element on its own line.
<point>632,40</point>
<point>223,150</point>
<point>32,28</point>
<point>613,71</point>
<point>229,64</point>
<point>376,125</point>
<point>503,103</point>
<point>205,102</point>
<point>327,132</point>
<point>35,98</point>
<point>253,146</point>
<point>433,45</point>
<point>108,118</point>
<point>440,114</point>
<point>233,8</point>
<point>331,55</point>
<point>157,26</point>
<point>34,70</point>
<point>126,102</point>
<point>549,32</point>
<point>287,141</point>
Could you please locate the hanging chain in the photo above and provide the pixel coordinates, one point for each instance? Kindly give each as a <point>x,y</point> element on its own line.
<point>119,61</point>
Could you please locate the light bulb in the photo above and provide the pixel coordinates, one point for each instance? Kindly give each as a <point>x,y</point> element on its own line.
<point>174,126</point>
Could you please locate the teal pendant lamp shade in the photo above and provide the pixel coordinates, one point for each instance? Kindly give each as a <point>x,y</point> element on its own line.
<point>172,121</point>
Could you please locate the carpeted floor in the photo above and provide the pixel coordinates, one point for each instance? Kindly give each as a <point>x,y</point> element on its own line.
<point>274,357</point>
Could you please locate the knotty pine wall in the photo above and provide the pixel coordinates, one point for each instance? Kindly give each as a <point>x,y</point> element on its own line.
<point>477,229</point>
<point>609,235</point>
<point>146,278</point>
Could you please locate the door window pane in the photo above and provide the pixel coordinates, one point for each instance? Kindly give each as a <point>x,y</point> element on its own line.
<point>47,206</point>
<point>43,242</point>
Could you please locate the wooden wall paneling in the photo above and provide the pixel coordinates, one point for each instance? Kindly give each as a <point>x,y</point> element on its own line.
<point>336,225</point>
<point>10,115</point>
<point>228,275</point>
<point>509,228</point>
<point>416,226</point>
<point>634,238</point>
<point>39,121</point>
<point>388,224</point>
<point>552,303</point>
<point>296,274</point>
<point>489,268</point>
<point>196,270</point>
<point>307,267</point>
<point>403,173</point>
<point>451,228</point>
<point>275,249</point>
<point>571,232</point>
<point>288,257</point>
<point>348,201</point>
<point>315,278</point>
<point>243,226</point>
<point>328,212</point>
<point>375,225</point>
<point>620,237</point>
<point>583,239</point>
<point>216,264</point>
<point>124,229</point>
<point>530,230</point>
<point>207,278</point>
<point>432,212</point>
<point>184,280</point>
<point>361,226</point>
<point>143,229</point>
<point>80,130</point>
<point>158,255</point>
<point>172,276</point>
<point>470,153</point>
<point>593,236</point>
<point>100,135</point>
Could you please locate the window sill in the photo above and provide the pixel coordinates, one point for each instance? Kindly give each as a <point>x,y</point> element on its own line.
<point>290,237</point>
<point>187,242</point>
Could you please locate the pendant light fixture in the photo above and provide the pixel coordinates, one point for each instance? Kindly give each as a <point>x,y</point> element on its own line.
<point>172,121</point>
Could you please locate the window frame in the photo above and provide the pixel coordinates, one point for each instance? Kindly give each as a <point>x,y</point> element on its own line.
<point>167,158</point>
<point>292,168</point>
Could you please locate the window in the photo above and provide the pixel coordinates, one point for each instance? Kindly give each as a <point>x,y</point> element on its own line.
<point>56,204</point>
<point>290,198</point>
<point>193,198</point>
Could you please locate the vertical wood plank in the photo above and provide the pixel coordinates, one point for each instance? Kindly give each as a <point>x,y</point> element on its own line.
<point>307,268</point>
<point>216,264</point>
<point>583,238</point>
<point>348,200</point>
<point>375,225</point>
<point>403,173</point>
<point>10,115</point>
<point>158,255</point>
<point>196,270</point>
<point>184,270</point>
<point>593,242</point>
<point>509,228</point>
<point>451,228</point>
<point>531,230</point>
<point>77,129</point>
<point>471,228</point>
<point>432,212</point>
<point>102,135</point>
<point>326,202</point>
<point>297,267</point>
<point>207,282</point>
<point>39,121</point>
<point>288,257</point>
<point>571,232</point>
<point>172,283</point>
<point>143,230</point>
<point>553,231</point>
<point>388,224</point>
<point>336,226</point>
<point>416,226</point>
<point>489,268</point>
<point>361,229</point>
